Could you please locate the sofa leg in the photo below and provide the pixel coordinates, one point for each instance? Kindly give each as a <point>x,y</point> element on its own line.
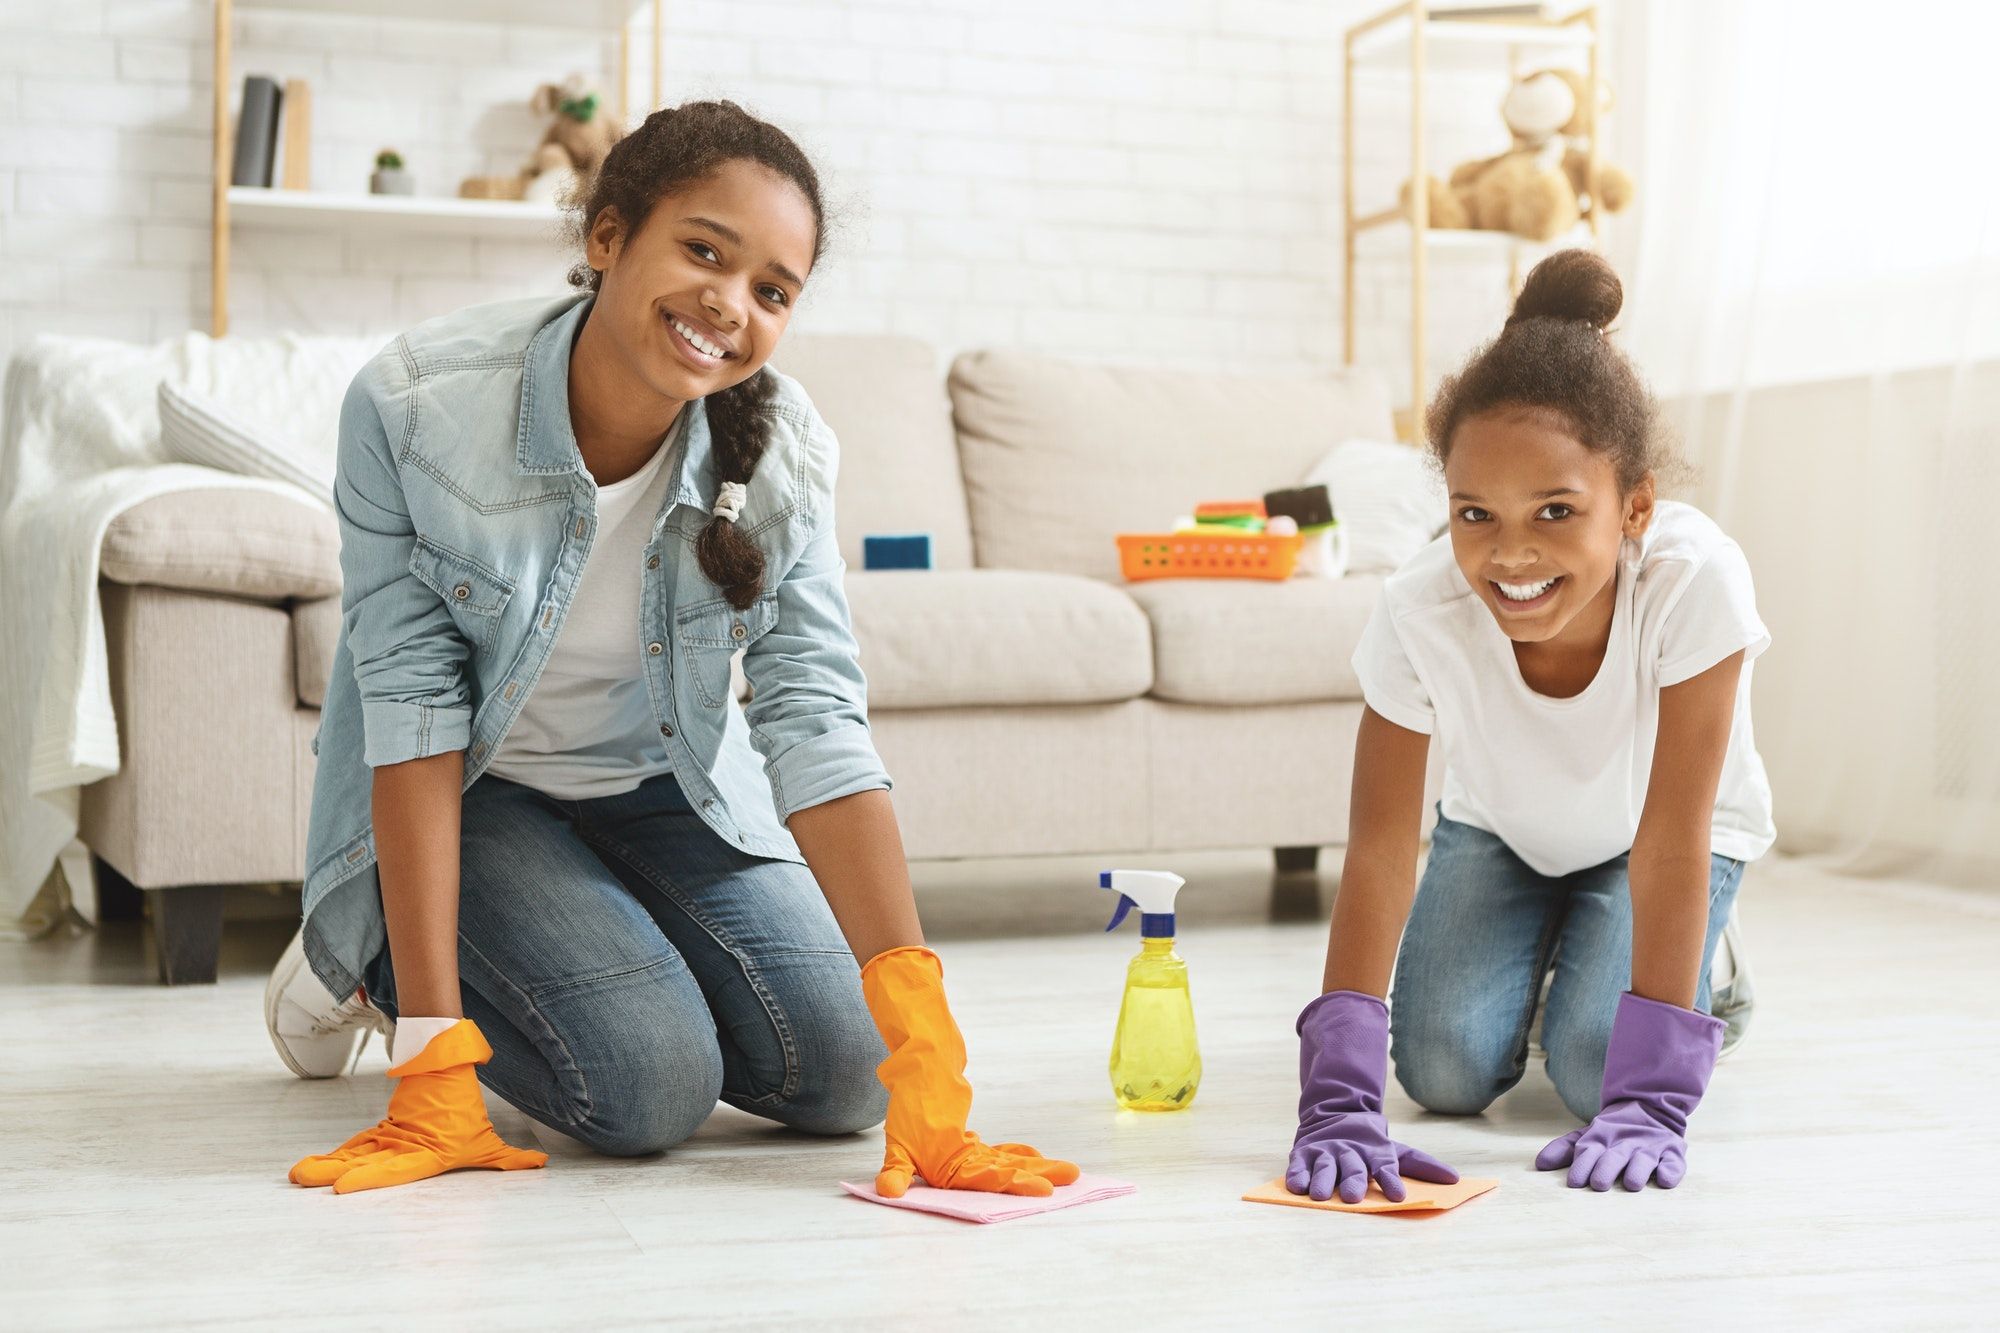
<point>1296,860</point>
<point>1295,885</point>
<point>118,898</point>
<point>187,931</point>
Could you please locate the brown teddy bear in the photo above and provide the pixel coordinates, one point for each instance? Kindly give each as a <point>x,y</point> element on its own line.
<point>580,134</point>
<point>1538,188</point>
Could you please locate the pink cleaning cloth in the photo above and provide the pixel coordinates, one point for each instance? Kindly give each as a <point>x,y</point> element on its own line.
<point>971,1206</point>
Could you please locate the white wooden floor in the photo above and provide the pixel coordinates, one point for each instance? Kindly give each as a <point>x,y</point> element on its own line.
<point>1844,1170</point>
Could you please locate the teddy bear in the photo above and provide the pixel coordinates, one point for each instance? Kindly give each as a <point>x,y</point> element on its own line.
<point>580,133</point>
<point>1539,187</point>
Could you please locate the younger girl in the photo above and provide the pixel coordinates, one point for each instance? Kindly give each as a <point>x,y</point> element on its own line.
<point>1581,651</point>
<point>541,833</point>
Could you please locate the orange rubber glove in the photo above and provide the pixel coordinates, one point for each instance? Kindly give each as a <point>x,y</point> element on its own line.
<point>929,1099</point>
<point>436,1123</point>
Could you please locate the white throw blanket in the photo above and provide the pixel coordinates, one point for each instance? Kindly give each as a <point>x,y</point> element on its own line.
<point>78,446</point>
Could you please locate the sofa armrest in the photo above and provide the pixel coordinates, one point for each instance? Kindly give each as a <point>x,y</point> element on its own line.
<point>242,543</point>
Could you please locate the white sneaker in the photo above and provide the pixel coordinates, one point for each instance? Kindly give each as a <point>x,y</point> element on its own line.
<point>316,1035</point>
<point>1536,1051</point>
<point>1732,992</point>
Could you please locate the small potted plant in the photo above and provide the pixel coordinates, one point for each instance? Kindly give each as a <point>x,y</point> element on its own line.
<point>390,177</point>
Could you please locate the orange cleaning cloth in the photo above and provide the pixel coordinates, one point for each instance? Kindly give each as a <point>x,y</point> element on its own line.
<point>1424,1197</point>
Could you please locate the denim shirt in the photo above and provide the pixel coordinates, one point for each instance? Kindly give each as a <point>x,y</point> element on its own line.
<point>466,514</point>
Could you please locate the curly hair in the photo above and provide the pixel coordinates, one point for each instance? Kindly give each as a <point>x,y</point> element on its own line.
<point>670,150</point>
<point>1553,355</point>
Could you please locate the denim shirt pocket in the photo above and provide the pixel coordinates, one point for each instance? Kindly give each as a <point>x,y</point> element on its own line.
<point>474,593</point>
<point>712,633</point>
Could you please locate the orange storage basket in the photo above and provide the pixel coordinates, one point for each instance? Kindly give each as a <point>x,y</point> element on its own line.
<point>1202,555</point>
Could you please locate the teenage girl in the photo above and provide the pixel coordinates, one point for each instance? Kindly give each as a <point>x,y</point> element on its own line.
<point>1581,652</point>
<point>547,840</point>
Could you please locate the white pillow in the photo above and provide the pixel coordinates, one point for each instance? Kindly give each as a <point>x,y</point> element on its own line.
<point>1387,496</point>
<point>194,429</point>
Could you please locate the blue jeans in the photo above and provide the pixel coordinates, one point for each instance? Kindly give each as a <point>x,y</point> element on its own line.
<point>1483,933</point>
<point>630,967</point>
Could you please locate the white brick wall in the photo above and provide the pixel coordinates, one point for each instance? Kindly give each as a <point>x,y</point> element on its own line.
<point>1135,180</point>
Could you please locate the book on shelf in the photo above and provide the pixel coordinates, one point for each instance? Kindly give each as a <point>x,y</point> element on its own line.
<point>296,114</point>
<point>256,132</point>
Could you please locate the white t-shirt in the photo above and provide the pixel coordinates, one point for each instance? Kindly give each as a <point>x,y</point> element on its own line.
<point>1563,781</point>
<point>588,728</point>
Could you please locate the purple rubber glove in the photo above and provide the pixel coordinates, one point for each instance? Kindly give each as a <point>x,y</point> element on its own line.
<point>1654,1074</point>
<point>1343,1140</point>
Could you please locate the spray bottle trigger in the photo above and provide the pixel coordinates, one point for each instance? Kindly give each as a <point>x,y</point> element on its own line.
<point>1125,905</point>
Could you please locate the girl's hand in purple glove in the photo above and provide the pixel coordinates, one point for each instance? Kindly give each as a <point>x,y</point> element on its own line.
<point>1343,1140</point>
<point>1655,1072</point>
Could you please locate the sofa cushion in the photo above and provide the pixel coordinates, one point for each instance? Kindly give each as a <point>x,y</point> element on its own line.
<point>1245,641</point>
<point>1059,458</point>
<point>1390,499</point>
<point>948,639</point>
<point>286,387</point>
<point>940,639</point>
<point>315,634</point>
<point>240,542</point>
<point>885,400</point>
<point>196,429</point>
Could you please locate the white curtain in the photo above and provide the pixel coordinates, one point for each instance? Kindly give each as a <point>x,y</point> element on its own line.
<point>1813,287</point>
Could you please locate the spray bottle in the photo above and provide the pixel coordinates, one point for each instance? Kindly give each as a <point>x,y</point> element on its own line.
<point>1155,1064</point>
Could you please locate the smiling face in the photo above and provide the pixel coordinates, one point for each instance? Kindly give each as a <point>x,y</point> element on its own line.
<point>1537,520</point>
<point>696,300</point>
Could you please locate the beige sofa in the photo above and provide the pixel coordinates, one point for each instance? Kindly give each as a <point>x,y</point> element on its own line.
<point>1025,699</point>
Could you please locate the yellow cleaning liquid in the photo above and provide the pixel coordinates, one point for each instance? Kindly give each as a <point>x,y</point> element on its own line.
<point>1155,1063</point>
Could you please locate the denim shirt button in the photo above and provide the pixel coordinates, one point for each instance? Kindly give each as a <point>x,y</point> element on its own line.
<point>654,649</point>
<point>708,805</point>
<point>737,631</point>
<point>654,563</point>
<point>462,591</point>
<point>666,730</point>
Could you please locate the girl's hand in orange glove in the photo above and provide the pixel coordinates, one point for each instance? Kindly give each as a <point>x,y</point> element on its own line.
<point>436,1123</point>
<point>929,1099</point>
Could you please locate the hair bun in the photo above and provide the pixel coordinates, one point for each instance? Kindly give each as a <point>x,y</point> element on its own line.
<point>1571,284</point>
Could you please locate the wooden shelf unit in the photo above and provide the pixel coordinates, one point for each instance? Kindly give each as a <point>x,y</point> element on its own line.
<point>279,208</point>
<point>1409,25</point>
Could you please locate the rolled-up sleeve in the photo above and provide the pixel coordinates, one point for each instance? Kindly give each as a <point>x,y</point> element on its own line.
<point>808,708</point>
<point>409,658</point>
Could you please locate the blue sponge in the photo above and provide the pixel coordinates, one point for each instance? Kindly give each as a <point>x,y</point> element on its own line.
<point>900,551</point>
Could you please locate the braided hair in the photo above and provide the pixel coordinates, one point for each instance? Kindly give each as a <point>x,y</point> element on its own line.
<point>671,149</point>
<point>1553,355</point>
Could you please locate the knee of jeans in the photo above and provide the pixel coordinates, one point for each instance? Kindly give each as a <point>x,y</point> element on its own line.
<point>838,1092</point>
<point>652,1097</point>
<point>1576,1067</point>
<point>1449,1070</point>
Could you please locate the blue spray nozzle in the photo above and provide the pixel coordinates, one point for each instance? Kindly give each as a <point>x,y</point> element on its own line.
<point>1151,891</point>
